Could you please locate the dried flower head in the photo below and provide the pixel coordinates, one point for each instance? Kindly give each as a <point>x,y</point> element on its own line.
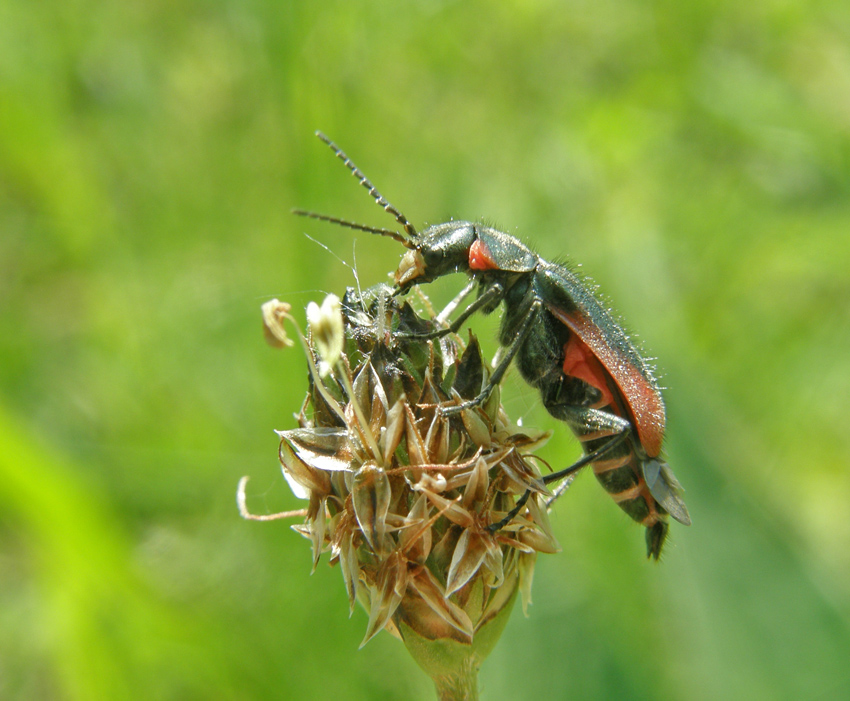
<point>403,497</point>
<point>274,314</point>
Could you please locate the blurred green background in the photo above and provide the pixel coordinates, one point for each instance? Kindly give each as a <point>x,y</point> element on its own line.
<point>693,157</point>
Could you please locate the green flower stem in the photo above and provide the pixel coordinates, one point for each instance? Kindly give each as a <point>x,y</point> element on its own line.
<point>462,685</point>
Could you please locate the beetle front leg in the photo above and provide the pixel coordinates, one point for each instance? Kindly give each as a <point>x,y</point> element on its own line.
<point>491,295</point>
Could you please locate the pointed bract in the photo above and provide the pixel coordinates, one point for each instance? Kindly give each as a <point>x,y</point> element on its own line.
<point>400,495</point>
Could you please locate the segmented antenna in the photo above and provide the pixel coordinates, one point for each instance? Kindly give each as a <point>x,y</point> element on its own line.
<point>364,181</point>
<point>354,225</point>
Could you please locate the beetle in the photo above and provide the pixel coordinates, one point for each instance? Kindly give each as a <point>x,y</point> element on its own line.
<point>564,342</point>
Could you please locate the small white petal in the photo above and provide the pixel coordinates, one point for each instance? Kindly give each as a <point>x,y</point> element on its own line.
<point>328,328</point>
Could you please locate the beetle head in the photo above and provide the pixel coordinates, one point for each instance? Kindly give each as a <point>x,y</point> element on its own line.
<point>439,250</point>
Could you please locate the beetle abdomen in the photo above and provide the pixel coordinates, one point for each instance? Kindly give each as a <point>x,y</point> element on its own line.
<point>620,475</point>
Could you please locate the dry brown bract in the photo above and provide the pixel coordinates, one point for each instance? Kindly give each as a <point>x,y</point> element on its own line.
<point>400,495</point>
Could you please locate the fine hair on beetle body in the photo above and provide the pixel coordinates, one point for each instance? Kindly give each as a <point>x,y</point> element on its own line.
<point>565,343</point>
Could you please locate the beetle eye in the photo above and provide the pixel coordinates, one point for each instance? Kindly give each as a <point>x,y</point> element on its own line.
<point>432,257</point>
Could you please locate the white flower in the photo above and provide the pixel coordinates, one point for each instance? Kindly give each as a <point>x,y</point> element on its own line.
<point>327,329</point>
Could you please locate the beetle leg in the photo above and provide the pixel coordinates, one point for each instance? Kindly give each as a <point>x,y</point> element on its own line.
<point>449,309</point>
<point>559,490</point>
<point>499,525</point>
<point>492,294</point>
<point>584,420</point>
<point>504,363</point>
<point>600,452</point>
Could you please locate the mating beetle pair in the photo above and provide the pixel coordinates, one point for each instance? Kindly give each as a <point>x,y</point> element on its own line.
<point>565,343</point>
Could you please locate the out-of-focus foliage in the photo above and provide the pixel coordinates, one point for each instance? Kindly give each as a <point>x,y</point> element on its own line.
<point>693,156</point>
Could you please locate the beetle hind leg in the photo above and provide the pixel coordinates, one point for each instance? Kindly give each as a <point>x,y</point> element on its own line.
<point>610,445</point>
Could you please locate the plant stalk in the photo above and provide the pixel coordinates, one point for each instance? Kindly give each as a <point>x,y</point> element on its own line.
<point>461,686</point>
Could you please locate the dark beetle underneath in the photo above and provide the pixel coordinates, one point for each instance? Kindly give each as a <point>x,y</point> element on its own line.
<point>566,344</point>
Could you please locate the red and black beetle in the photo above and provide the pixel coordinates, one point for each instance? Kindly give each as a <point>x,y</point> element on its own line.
<point>565,343</point>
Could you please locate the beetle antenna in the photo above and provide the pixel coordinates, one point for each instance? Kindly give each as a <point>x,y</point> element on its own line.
<point>373,191</point>
<point>353,225</point>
